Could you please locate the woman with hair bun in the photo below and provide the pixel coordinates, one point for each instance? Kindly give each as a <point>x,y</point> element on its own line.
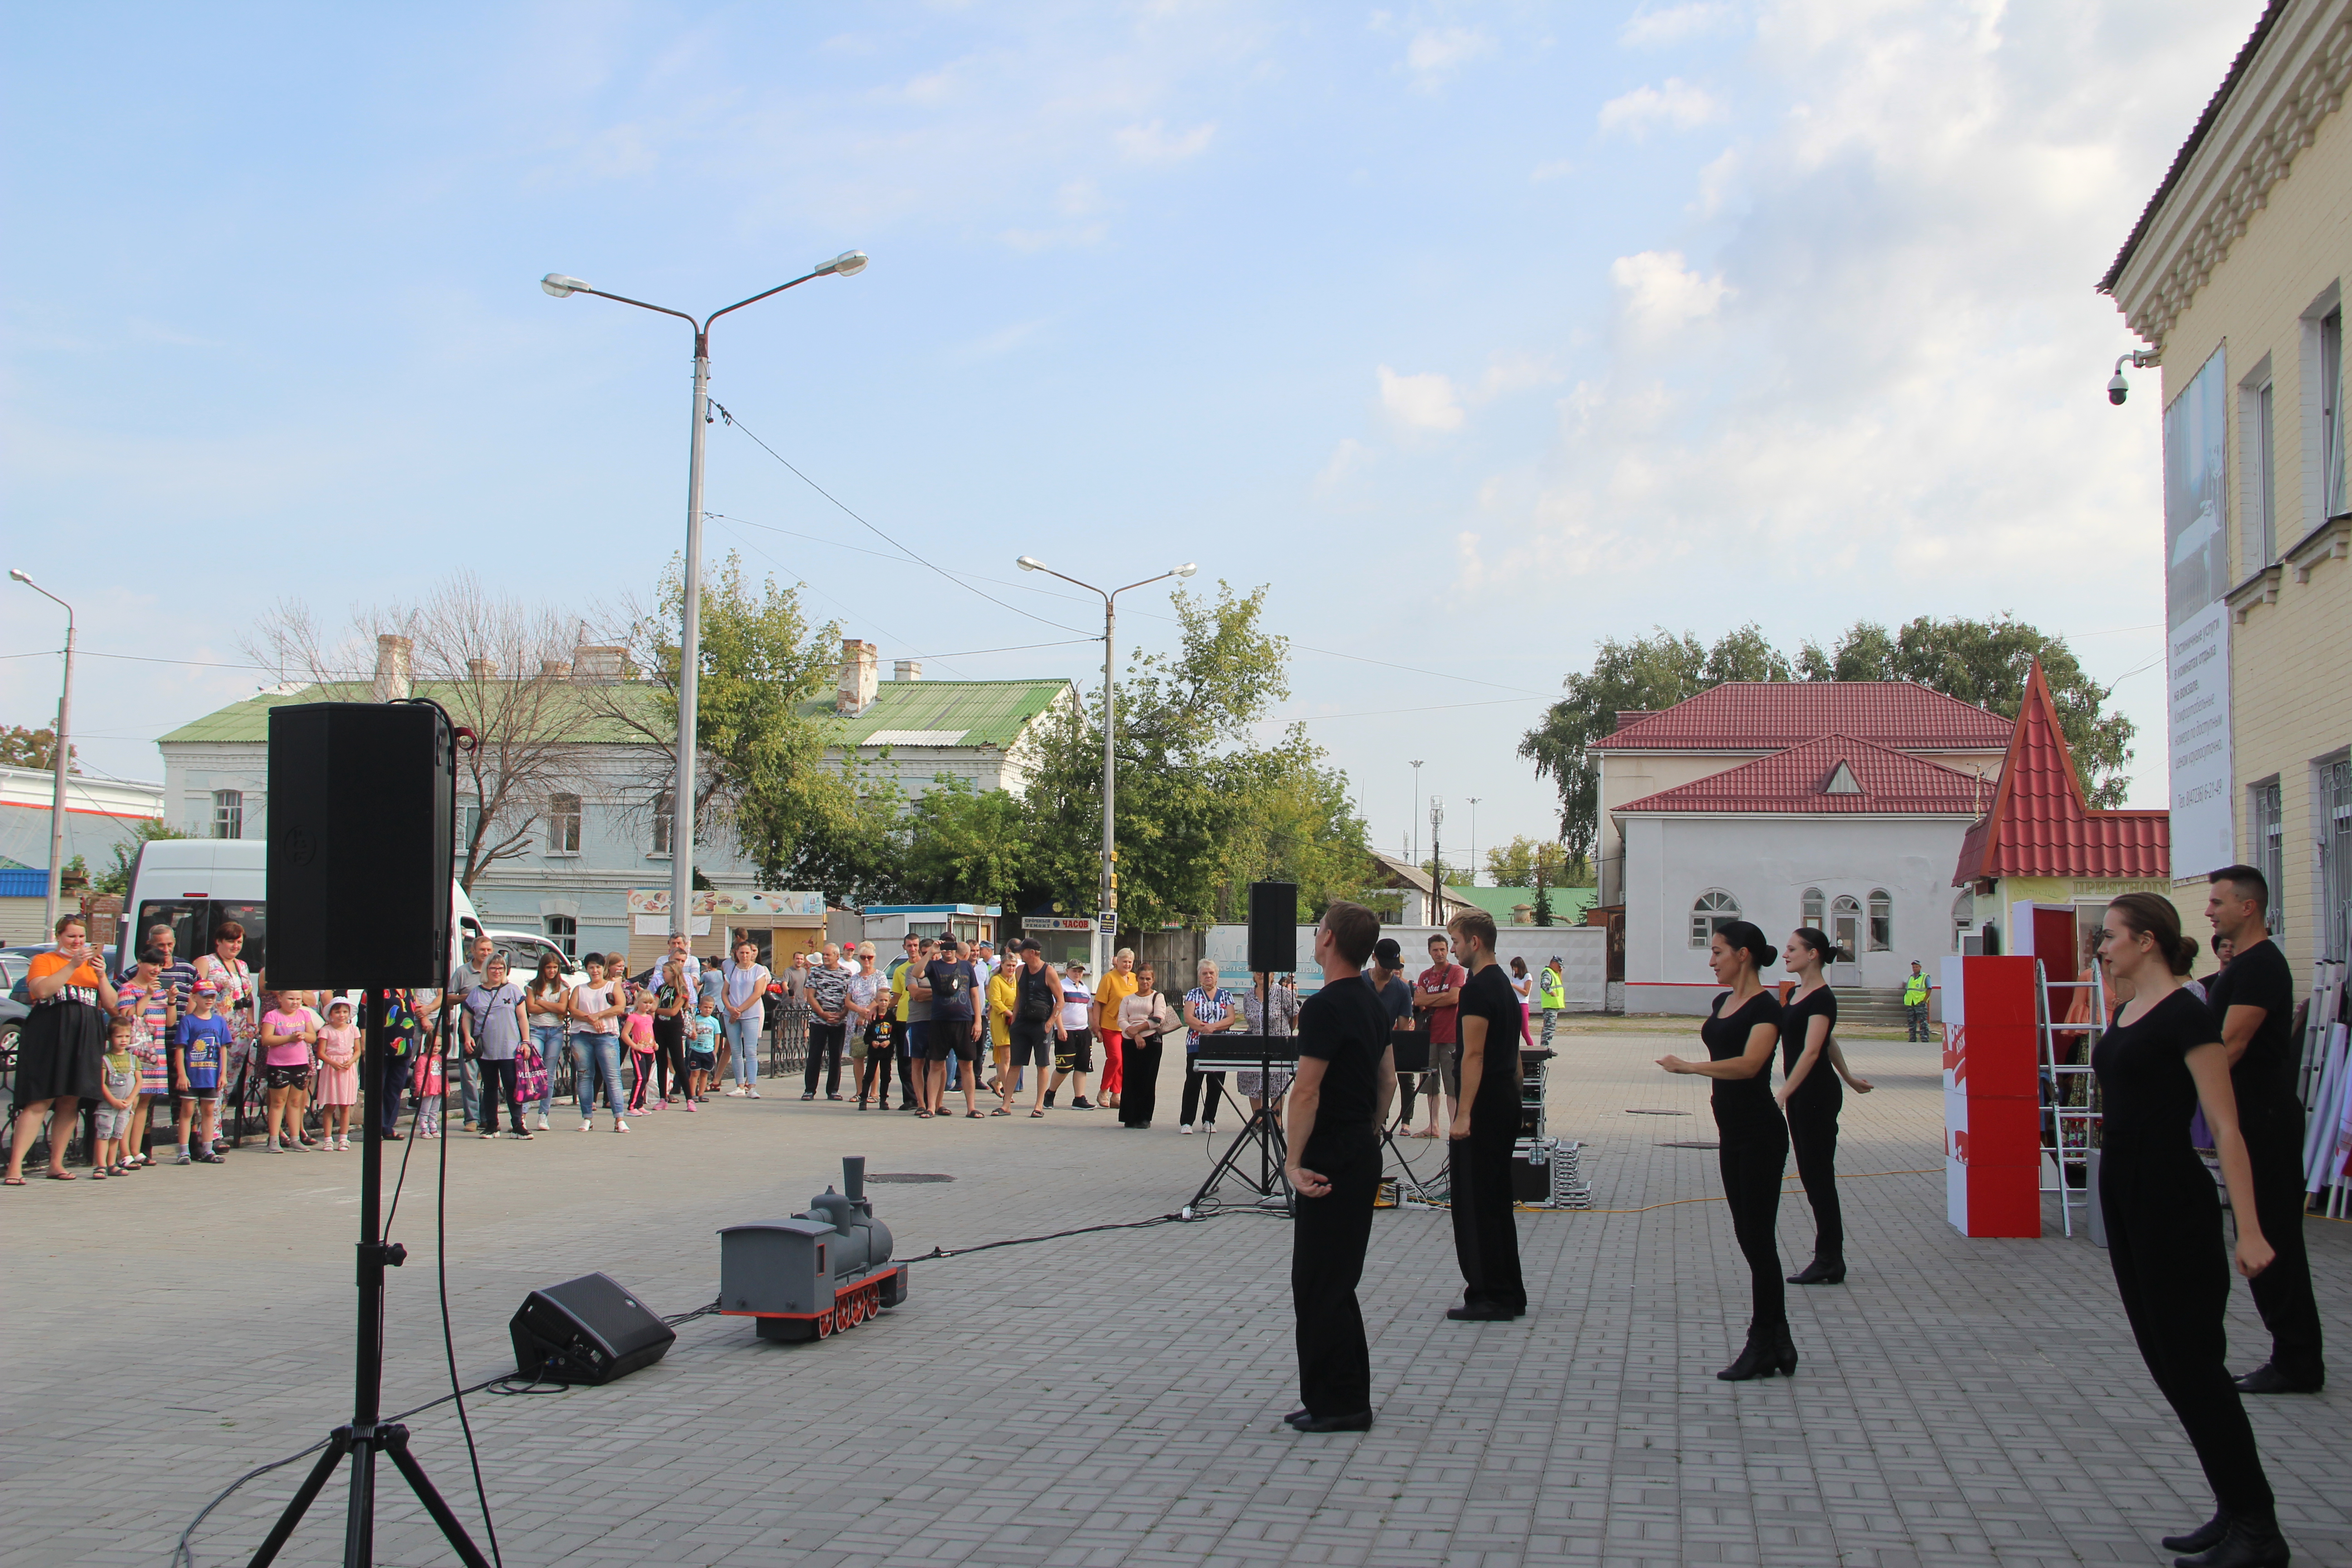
<point>1811,1095</point>
<point>1740,1031</point>
<point>2161,1060</point>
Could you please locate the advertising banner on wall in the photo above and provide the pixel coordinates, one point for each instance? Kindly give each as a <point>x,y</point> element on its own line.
<point>2196,575</point>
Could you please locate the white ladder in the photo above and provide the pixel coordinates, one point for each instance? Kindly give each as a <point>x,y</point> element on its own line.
<point>2071,1122</point>
<point>2324,1083</point>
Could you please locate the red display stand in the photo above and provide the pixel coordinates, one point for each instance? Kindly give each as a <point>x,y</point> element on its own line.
<point>1992,1108</point>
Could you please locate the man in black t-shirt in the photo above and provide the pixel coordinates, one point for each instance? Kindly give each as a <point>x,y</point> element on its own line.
<point>2252,1000</point>
<point>1485,1125</point>
<point>1346,1076</point>
<point>955,1027</point>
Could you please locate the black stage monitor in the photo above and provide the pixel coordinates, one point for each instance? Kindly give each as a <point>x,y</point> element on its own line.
<point>360,843</point>
<point>1412,1048</point>
<point>1273,928</point>
<point>1246,1053</point>
<point>589,1329</point>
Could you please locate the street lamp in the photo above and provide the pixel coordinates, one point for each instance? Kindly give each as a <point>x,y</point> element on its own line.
<point>58,787</point>
<point>849,264</point>
<point>1473,840</point>
<point>1415,818</point>
<point>1109,888</point>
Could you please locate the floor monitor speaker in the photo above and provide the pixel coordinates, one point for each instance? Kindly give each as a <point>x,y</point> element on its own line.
<point>1273,928</point>
<point>360,843</point>
<point>589,1329</point>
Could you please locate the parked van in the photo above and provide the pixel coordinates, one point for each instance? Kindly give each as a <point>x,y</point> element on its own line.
<point>194,885</point>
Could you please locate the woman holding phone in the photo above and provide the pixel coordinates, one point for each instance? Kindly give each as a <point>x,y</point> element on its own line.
<point>65,1038</point>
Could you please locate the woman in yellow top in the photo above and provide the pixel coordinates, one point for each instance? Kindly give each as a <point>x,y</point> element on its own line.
<point>1115,988</point>
<point>64,1038</point>
<point>1002,992</point>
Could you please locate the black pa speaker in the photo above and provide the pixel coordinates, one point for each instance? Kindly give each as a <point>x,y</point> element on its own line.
<point>1273,928</point>
<point>360,843</point>
<point>588,1330</point>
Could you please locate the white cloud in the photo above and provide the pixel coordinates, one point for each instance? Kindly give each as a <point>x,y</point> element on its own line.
<point>1436,53</point>
<point>1677,104</point>
<point>1153,143</point>
<point>1425,402</point>
<point>1557,169</point>
<point>1663,25</point>
<point>1661,293</point>
<point>1346,458</point>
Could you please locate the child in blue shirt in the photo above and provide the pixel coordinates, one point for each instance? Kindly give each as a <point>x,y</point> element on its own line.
<point>200,1044</point>
<point>702,1051</point>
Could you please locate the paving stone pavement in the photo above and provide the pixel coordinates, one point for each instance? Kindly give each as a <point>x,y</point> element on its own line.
<point>1115,1398</point>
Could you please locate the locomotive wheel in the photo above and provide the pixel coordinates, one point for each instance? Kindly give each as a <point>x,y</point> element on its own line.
<point>850,1316</point>
<point>824,1325</point>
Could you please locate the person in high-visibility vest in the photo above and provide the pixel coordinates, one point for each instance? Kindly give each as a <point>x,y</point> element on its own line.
<point>1914,1003</point>
<point>1551,997</point>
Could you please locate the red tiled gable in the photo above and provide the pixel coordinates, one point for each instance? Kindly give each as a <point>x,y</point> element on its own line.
<point>2040,824</point>
<point>1797,781</point>
<point>1771,715</point>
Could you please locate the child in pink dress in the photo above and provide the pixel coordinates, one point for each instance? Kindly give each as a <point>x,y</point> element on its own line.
<point>428,1090</point>
<point>338,1073</point>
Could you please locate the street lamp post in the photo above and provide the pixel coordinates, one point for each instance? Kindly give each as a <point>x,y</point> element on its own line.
<point>61,750</point>
<point>1415,817</point>
<point>849,264</point>
<point>1109,886</point>
<point>1473,841</point>
<point>1437,858</point>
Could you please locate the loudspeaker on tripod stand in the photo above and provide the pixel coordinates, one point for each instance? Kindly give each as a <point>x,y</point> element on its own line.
<point>1273,928</point>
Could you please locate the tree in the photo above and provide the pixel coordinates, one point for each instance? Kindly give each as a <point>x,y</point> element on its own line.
<point>116,879</point>
<point>34,749</point>
<point>966,845</point>
<point>1526,862</point>
<point>501,668</point>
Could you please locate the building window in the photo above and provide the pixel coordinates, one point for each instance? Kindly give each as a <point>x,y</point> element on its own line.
<point>2331,413</point>
<point>1963,916</point>
<point>1714,911</point>
<point>1882,921</point>
<point>2266,830</point>
<point>2264,511</point>
<point>1815,909</point>
<point>563,824</point>
<point>228,813</point>
<point>469,818</point>
<point>1845,927</point>
<point>2336,860</point>
<point>661,823</point>
<point>565,932</point>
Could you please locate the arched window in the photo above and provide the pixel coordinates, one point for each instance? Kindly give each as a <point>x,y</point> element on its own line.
<point>1964,915</point>
<point>1882,921</point>
<point>1845,927</point>
<point>1814,907</point>
<point>1714,911</point>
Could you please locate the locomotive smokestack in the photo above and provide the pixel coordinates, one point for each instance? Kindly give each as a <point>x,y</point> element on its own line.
<point>853,1177</point>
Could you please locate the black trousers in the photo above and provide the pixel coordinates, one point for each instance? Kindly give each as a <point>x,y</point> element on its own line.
<point>395,1084</point>
<point>1812,1138</point>
<point>670,1056</point>
<point>1752,1168</point>
<point>1486,1232</point>
<point>1327,1259</point>
<point>1138,1094</point>
<point>879,1051</point>
<point>2164,1241</point>
<point>2283,1291</point>
<point>825,1043</point>
<point>1195,1081</point>
<point>497,1085</point>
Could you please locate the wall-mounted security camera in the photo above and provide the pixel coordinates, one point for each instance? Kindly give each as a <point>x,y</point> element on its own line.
<point>2117,387</point>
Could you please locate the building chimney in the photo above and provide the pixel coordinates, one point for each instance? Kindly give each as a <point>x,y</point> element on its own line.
<point>555,670</point>
<point>391,655</point>
<point>596,662</point>
<point>860,663</point>
<point>480,669</point>
<point>907,669</point>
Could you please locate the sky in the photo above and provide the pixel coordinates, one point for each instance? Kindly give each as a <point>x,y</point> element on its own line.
<point>1479,333</point>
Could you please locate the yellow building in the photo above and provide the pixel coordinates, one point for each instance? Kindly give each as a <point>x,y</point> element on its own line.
<point>2234,275</point>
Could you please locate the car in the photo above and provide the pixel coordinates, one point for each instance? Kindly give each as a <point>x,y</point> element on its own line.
<point>12,963</point>
<point>523,949</point>
<point>13,1013</point>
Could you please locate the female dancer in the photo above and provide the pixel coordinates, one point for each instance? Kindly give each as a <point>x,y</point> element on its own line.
<point>1811,1096</point>
<point>1739,1033</point>
<point>2161,1060</point>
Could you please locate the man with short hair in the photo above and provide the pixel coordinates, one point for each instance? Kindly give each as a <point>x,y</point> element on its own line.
<point>1438,994</point>
<point>1915,1003</point>
<point>1337,1106</point>
<point>955,1027</point>
<point>2254,1005</point>
<point>462,979</point>
<point>1485,1125</point>
<point>1551,997</point>
<point>912,990</point>
<point>1036,1024</point>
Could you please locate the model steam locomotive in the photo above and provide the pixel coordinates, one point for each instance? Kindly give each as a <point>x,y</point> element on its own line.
<point>820,1272</point>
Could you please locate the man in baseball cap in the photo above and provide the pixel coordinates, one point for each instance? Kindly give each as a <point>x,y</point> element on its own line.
<point>199,1046</point>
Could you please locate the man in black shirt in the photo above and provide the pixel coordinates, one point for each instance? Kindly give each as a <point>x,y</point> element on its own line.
<point>1485,1125</point>
<point>2252,1000</point>
<point>1335,1108</point>
<point>955,1027</point>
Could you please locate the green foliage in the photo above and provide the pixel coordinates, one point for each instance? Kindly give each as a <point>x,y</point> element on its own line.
<point>35,749</point>
<point>966,847</point>
<point>1526,862</point>
<point>116,879</point>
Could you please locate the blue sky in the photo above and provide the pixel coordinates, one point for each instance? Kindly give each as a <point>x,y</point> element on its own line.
<point>1479,333</point>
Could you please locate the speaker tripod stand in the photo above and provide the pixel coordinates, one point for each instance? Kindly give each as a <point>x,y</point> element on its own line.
<point>1263,1132</point>
<point>368,1433</point>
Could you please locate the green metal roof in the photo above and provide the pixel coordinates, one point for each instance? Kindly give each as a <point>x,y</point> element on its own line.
<point>977,712</point>
<point>1568,904</point>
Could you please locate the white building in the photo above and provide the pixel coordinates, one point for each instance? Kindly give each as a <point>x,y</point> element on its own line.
<point>101,816</point>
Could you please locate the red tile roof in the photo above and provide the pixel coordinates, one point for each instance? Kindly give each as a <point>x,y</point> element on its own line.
<point>2041,826</point>
<point>1771,715</point>
<point>1797,781</point>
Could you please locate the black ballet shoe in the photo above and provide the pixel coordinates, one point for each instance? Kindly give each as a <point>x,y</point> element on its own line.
<point>2247,1542</point>
<point>1301,1414</point>
<point>1817,1272</point>
<point>2204,1537</point>
<point>1784,1352</point>
<point>1362,1421</point>
<point>1760,1358</point>
<point>2268,1379</point>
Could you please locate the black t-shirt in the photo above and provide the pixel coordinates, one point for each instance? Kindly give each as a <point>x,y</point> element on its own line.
<point>1744,1107</point>
<point>1489,996</point>
<point>1796,1020</point>
<point>2260,977</point>
<point>950,981</point>
<point>2147,1096</point>
<point>1344,1027</point>
<point>1396,1000</point>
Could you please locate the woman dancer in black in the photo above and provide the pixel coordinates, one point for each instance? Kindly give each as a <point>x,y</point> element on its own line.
<point>1811,1095</point>
<point>2159,1060</point>
<point>1739,1033</point>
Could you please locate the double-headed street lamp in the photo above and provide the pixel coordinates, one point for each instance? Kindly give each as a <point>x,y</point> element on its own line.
<point>62,750</point>
<point>849,264</point>
<point>1109,886</point>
